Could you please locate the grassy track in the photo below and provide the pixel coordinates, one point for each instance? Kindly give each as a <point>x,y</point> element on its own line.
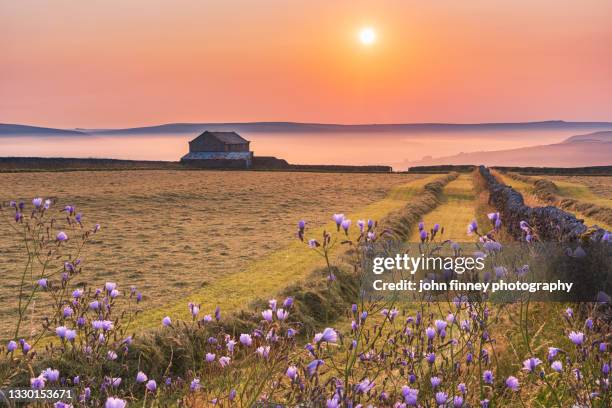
<point>566,190</point>
<point>455,212</point>
<point>267,276</point>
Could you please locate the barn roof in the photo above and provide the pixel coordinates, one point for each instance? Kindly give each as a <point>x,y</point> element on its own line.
<point>225,137</point>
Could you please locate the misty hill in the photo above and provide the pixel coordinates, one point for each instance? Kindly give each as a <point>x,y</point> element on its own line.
<point>597,136</point>
<point>593,149</point>
<point>294,127</point>
<point>24,130</point>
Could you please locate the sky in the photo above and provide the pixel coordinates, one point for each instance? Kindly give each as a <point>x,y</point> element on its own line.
<point>140,62</point>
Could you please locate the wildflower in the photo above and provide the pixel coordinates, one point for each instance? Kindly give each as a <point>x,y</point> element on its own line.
<point>500,271</point>
<point>313,366</point>
<point>363,317</point>
<point>531,363</point>
<point>313,243</point>
<point>512,383</point>
<point>487,377</point>
<point>81,321</point>
<point>346,225</point>
<point>51,375</point>
<point>61,332</point>
<point>361,224</point>
<point>37,202</point>
<point>141,377</point>
<point>364,386</point>
<point>292,372</point>
<point>430,332</point>
<point>440,325</point>
<point>435,382</point>
<point>462,388</point>
<point>38,383</point>
<point>605,369</point>
<point>25,347</point>
<point>217,313</point>
<point>338,218</point>
<point>441,398</point>
<point>61,236</point>
<point>557,366</point>
<point>288,302</point>
<point>472,228</point>
<point>576,337</point>
<point>332,403</point>
<point>60,404</point>
<point>111,355</point>
<point>246,339</point>
<point>457,401</point>
<point>329,335</point>
<point>102,324</point>
<point>68,311</point>
<point>436,228</point>
<point>11,346</point>
<point>70,335</point>
<point>484,403</point>
<point>114,293</point>
<point>410,395</point>
<point>42,283</point>
<point>494,216</point>
<point>291,333</point>
<point>552,352</point>
<point>421,226</point>
<point>224,361</point>
<point>151,386</point>
<point>569,312</point>
<point>423,235</point>
<point>114,381</point>
<point>166,321</point>
<point>231,344</point>
<point>431,358</point>
<point>232,394</point>
<point>210,357</point>
<point>267,315</point>
<point>282,314</point>
<point>589,323</point>
<point>113,402</point>
<point>95,305</point>
<point>602,347</point>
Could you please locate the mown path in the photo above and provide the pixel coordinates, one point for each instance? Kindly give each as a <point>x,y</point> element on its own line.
<point>292,262</point>
<point>458,208</point>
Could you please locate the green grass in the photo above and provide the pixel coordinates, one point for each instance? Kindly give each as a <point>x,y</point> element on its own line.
<point>271,274</point>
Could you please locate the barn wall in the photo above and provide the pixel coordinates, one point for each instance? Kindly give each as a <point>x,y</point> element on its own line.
<point>206,144</point>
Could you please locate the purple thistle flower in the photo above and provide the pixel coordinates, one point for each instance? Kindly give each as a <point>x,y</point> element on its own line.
<point>282,314</point>
<point>37,202</point>
<point>224,361</point>
<point>487,377</point>
<point>361,224</point>
<point>38,383</point>
<point>410,395</point>
<point>230,345</point>
<point>210,357</point>
<point>436,228</point>
<point>79,217</point>
<point>494,216</point>
<point>430,332</point>
<point>195,384</point>
<point>421,226</point>
<point>141,377</point>
<point>440,325</point>
<point>70,335</point>
<point>267,315</point>
<point>166,321</point>
<point>25,347</point>
<point>569,312</point>
<point>462,388</point>
<point>441,397</point>
<point>77,293</point>
<point>313,366</point>
<point>589,323</point>
<point>232,394</point>
<point>458,401</point>
<point>605,369</point>
<point>338,218</point>
<point>11,346</point>
<point>435,382</point>
<point>61,332</point>
<point>512,383</point>
<point>68,311</point>
<point>602,347</point>
<point>292,372</point>
<point>472,227</point>
<point>346,224</point>
<point>332,403</point>
<point>246,339</point>
<point>288,303</point>
<point>151,386</point>
<point>272,303</point>
<point>114,402</point>
<point>61,236</point>
<point>42,283</point>
<point>531,363</point>
<point>557,366</point>
<point>364,386</point>
<point>291,333</point>
<point>217,313</point>
<point>263,351</point>
<point>313,243</point>
<point>576,337</point>
<point>328,335</point>
<point>431,358</point>
<point>423,235</point>
<point>51,375</point>
<point>111,355</point>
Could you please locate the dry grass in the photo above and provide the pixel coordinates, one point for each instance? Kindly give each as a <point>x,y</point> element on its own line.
<point>595,189</point>
<point>172,232</point>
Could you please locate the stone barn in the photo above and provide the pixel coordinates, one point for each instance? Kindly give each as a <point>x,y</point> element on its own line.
<point>219,150</point>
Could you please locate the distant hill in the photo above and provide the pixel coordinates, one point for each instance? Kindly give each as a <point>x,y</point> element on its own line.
<point>294,127</point>
<point>597,136</point>
<point>24,130</point>
<point>594,149</point>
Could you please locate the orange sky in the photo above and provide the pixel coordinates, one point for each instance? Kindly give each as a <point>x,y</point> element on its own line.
<point>129,63</point>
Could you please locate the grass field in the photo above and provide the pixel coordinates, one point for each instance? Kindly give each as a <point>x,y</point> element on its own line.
<point>173,232</point>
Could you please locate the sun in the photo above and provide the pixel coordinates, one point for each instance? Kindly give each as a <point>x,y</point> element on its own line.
<point>367,36</point>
